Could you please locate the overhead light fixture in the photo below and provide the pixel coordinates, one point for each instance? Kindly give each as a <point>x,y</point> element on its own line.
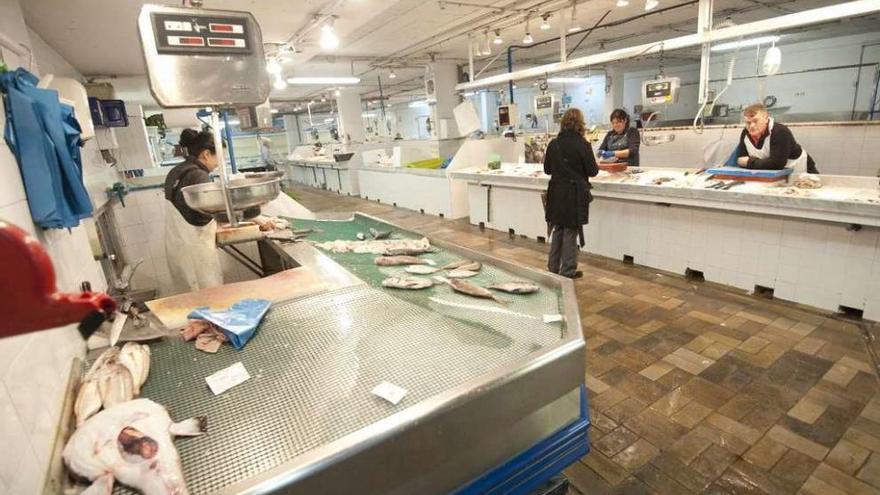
<point>498,39</point>
<point>575,25</point>
<point>772,61</point>
<point>527,39</point>
<point>273,66</point>
<point>329,40</point>
<point>418,104</point>
<point>337,93</point>
<point>566,80</point>
<point>733,45</point>
<point>469,93</point>
<point>279,84</point>
<point>368,115</point>
<point>622,3</point>
<point>323,99</point>
<point>651,4</point>
<point>488,50</point>
<point>392,75</point>
<point>328,81</point>
<point>545,22</point>
<point>274,110</point>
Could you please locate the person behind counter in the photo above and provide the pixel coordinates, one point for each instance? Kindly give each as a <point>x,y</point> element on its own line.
<point>768,145</point>
<point>621,144</point>
<point>570,163</point>
<point>190,236</point>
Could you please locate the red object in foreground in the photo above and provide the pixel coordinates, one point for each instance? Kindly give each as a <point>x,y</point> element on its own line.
<point>29,299</point>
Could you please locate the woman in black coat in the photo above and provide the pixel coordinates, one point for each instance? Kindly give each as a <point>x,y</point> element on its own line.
<point>570,163</point>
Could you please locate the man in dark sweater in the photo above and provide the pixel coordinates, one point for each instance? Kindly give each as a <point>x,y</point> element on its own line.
<point>768,145</point>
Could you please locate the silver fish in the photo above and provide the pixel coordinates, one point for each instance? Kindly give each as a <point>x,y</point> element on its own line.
<point>380,234</point>
<point>460,274</point>
<point>471,290</point>
<point>410,283</point>
<point>473,266</point>
<point>131,443</point>
<point>515,287</point>
<point>115,377</point>
<point>400,260</point>
<point>361,236</point>
<point>421,269</point>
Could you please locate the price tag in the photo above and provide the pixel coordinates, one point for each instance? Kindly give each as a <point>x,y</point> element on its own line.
<point>552,318</point>
<point>227,378</point>
<point>390,392</point>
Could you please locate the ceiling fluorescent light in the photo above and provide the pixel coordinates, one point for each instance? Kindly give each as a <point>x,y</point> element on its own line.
<point>651,4</point>
<point>545,22</point>
<point>274,110</point>
<point>323,80</point>
<point>418,104</point>
<point>279,84</point>
<point>622,3</point>
<point>329,40</point>
<point>733,45</point>
<point>273,66</point>
<point>566,80</point>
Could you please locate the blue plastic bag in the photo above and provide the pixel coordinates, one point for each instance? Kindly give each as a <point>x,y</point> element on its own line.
<point>239,322</point>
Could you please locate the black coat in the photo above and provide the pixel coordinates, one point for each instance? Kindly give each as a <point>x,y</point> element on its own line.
<point>570,163</point>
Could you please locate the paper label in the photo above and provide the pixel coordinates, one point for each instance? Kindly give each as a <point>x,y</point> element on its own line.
<point>390,392</point>
<point>227,378</point>
<point>552,318</point>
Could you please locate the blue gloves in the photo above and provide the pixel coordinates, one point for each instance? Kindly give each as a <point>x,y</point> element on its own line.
<point>239,322</point>
<point>606,154</point>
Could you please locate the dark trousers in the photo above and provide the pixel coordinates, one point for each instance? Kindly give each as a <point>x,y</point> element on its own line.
<point>564,251</point>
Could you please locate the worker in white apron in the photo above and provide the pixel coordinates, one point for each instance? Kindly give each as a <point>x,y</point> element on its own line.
<point>190,236</point>
<point>768,145</point>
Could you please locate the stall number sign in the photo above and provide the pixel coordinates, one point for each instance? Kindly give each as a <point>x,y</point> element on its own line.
<point>201,35</point>
<point>543,102</point>
<point>659,92</point>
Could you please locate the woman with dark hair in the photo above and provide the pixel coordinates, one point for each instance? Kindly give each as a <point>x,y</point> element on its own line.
<point>190,236</point>
<point>621,144</point>
<point>570,163</point>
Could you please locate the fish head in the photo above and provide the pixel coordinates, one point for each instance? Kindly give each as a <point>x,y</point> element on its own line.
<point>153,464</point>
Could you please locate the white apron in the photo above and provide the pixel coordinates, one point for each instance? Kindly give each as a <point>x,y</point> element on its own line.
<point>799,164</point>
<point>191,252</point>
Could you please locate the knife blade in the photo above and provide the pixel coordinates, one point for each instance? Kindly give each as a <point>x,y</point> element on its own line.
<point>116,329</point>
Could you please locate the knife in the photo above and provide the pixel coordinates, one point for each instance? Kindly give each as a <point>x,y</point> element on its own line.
<point>116,329</point>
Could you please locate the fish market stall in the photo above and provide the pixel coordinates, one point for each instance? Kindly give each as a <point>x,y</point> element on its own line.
<point>807,242</point>
<point>353,383</point>
<point>337,174</point>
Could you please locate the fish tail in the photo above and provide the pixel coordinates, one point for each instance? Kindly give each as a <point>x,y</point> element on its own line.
<point>190,427</point>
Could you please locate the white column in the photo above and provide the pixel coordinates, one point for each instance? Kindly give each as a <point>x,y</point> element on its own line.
<point>442,117</point>
<point>613,92</point>
<point>351,124</point>
<point>291,129</point>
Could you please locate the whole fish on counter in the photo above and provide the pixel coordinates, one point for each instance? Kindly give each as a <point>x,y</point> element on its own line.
<point>377,246</point>
<point>408,251</point>
<point>460,274</point>
<point>380,234</point>
<point>515,287</point>
<point>470,289</point>
<point>408,283</point>
<point>116,376</point>
<point>468,265</point>
<point>421,269</point>
<point>131,443</point>
<point>401,260</point>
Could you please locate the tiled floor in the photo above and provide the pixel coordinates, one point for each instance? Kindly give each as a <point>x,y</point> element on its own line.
<point>697,389</point>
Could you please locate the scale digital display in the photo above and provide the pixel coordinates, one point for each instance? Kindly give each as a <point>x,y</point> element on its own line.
<point>194,34</point>
<point>543,102</point>
<point>660,91</point>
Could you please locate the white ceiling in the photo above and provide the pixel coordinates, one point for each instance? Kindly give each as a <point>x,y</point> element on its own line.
<point>100,37</point>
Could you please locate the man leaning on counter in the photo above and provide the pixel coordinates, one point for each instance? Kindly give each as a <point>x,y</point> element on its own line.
<point>769,145</point>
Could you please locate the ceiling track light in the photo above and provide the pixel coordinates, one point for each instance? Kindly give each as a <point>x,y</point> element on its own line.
<point>575,26</point>
<point>392,75</point>
<point>527,38</point>
<point>498,39</point>
<point>329,40</point>
<point>545,22</point>
<point>488,50</point>
<point>651,4</point>
<point>622,3</point>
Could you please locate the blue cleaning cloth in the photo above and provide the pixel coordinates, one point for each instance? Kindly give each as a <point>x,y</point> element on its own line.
<point>44,135</point>
<point>239,322</point>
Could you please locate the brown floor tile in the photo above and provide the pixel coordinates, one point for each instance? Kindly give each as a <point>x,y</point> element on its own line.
<point>609,470</point>
<point>797,442</point>
<point>615,441</point>
<point>707,393</point>
<point>656,370</point>
<point>625,409</point>
<point>659,481</point>
<point>847,457</point>
<point>636,455</point>
<point>585,480</point>
<point>691,445</point>
<point>631,486</point>
<point>713,461</point>
<point>735,428</point>
<point>671,402</point>
<point>656,428</point>
<point>840,480</point>
<point>742,477</point>
<point>766,453</point>
<point>870,472</point>
<point>691,414</point>
<point>669,465</point>
<point>793,469</point>
<point>815,486</point>
<point>601,421</point>
<point>731,373</point>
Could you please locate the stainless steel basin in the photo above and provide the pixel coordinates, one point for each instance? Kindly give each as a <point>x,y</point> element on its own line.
<point>244,193</point>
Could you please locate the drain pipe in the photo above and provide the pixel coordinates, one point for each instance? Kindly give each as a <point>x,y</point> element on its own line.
<point>510,69</point>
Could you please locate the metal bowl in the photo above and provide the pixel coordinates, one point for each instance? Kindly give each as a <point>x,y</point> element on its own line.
<point>273,174</point>
<point>244,193</point>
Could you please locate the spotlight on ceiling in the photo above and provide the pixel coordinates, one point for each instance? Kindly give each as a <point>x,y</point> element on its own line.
<point>622,3</point>
<point>575,24</point>
<point>329,40</point>
<point>392,75</point>
<point>651,4</point>
<point>545,22</point>
<point>498,39</point>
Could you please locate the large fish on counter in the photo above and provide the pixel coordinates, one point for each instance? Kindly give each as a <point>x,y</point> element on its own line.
<point>131,443</point>
<point>401,260</point>
<point>470,289</point>
<point>115,377</point>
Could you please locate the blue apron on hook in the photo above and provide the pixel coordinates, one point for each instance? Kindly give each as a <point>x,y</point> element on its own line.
<point>45,137</point>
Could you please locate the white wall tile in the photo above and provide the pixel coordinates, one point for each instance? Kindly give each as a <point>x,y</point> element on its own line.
<point>11,187</point>
<point>14,438</point>
<point>19,215</point>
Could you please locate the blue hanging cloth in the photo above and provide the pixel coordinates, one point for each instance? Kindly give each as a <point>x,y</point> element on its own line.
<point>45,137</point>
